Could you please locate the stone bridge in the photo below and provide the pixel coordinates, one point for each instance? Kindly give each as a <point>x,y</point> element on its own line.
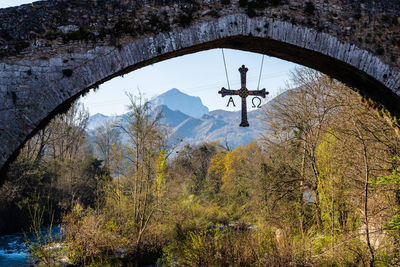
<point>52,52</point>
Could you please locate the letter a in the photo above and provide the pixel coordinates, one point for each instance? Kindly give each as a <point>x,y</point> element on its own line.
<point>231,100</point>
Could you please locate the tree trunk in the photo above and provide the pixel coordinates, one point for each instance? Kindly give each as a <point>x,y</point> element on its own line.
<point>366,185</point>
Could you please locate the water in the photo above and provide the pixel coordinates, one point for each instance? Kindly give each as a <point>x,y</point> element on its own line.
<point>13,251</point>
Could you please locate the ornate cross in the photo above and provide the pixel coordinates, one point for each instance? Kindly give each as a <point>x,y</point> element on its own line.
<point>243,93</point>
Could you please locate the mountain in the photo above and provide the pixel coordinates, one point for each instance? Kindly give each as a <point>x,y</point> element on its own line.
<point>176,100</point>
<point>216,125</point>
<point>172,118</point>
<point>97,120</point>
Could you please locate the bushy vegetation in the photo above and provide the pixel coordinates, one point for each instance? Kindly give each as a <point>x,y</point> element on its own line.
<point>319,188</point>
<point>54,170</point>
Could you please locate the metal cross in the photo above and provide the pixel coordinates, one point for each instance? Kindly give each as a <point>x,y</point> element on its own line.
<point>243,93</point>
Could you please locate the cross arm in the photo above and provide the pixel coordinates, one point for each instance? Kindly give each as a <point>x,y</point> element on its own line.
<point>225,92</point>
<point>263,93</point>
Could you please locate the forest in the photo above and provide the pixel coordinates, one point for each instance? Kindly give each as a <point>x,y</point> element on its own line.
<point>320,187</point>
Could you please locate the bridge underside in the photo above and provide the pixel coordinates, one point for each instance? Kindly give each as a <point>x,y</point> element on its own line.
<point>49,91</point>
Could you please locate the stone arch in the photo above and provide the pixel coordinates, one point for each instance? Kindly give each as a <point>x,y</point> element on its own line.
<point>34,90</point>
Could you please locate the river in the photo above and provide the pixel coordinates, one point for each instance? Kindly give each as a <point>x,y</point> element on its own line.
<point>13,251</point>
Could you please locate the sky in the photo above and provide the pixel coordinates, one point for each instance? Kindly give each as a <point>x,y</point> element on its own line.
<point>8,3</point>
<point>200,74</point>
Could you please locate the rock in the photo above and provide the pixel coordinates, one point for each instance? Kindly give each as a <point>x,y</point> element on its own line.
<point>204,13</point>
<point>68,28</point>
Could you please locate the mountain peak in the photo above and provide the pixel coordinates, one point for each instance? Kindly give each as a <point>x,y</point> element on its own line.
<point>172,91</point>
<point>174,99</point>
<point>97,120</point>
<point>98,115</point>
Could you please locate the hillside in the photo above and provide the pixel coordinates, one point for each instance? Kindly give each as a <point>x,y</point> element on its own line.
<point>217,125</point>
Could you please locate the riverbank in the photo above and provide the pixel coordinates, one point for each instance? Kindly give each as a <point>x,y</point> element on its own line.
<point>13,249</point>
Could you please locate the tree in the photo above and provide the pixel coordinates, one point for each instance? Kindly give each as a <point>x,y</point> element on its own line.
<point>106,137</point>
<point>48,167</point>
<point>68,132</point>
<point>90,188</point>
<point>298,119</point>
<point>338,145</point>
<point>194,162</point>
<point>142,154</point>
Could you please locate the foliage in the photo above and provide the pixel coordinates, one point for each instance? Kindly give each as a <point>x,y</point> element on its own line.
<point>121,224</point>
<point>218,248</point>
<point>55,170</point>
<point>315,190</point>
<point>88,238</point>
<point>395,222</point>
<point>319,188</point>
<point>40,248</point>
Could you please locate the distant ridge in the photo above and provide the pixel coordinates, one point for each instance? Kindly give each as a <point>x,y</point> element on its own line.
<point>217,125</point>
<point>176,100</point>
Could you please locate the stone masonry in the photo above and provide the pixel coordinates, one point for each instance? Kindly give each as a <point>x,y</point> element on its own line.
<point>52,52</point>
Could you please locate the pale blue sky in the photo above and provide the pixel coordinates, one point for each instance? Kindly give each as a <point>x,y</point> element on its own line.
<point>8,3</point>
<point>201,74</point>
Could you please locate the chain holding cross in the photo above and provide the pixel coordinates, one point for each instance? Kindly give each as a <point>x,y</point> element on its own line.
<point>243,92</point>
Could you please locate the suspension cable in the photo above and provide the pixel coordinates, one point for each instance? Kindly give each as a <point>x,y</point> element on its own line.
<point>226,72</point>
<point>259,78</point>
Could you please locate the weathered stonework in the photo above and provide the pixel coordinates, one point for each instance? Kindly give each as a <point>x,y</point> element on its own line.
<point>52,52</point>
